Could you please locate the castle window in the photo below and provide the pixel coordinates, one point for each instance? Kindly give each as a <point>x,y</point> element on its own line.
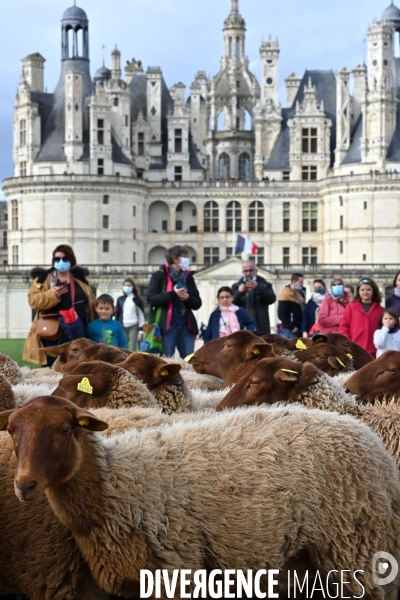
<point>14,214</point>
<point>365,205</point>
<point>106,199</point>
<point>310,216</point>
<point>286,176</point>
<point>134,210</point>
<point>105,221</point>
<point>178,173</point>
<point>340,201</point>
<point>237,122</point>
<point>286,256</point>
<point>237,48</point>
<point>164,225</point>
<point>309,256</point>
<point>309,173</point>
<point>256,216</point>
<point>100,131</point>
<point>22,168</point>
<point>178,141</point>
<point>179,208</point>
<point>211,256</point>
<point>224,166</point>
<point>116,101</point>
<point>286,217</point>
<point>340,247</point>
<point>178,225</point>
<point>134,257</point>
<point>230,47</point>
<point>15,255</point>
<point>211,217</point>
<point>238,85</point>
<point>100,166</point>
<point>259,257</point>
<point>244,167</point>
<point>5,239</point>
<point>233,216</point>
<point>341,222</point>
<point>140,138</point>
<point>106,246</point>
<point>134,233</point>
<point>364,257</point>
<point>126,120</point>
<point>309,139</point>
<point>22,132</point>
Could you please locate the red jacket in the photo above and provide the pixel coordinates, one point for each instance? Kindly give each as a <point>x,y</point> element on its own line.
<point>359,326</point>
<point>331,312</point>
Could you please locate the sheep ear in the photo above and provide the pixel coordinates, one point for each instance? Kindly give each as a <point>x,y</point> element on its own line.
<point>85,419</point>
<point>259,350</point>
<point>70,367</point>
<point>335,362</point>
<point>88,384</point>
<point>56,350</point>
<point>286,375</point>
<point>319,338</point>
<point>167,371</point>
<point>4,415</point>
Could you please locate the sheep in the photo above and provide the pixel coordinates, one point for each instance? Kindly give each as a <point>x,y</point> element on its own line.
<point>7,396</point>
<point>327,357</point>
<point>278,380</point>
<point>377,379</point>
<point>66,352</point>
<point>384,418</point>
<point>284,347</point>
<point>10,370</point>
<point>43,375</point>
<point>359,355</point>
<point>230,357</point>
<point>24,392</point>
<point>159,498</point>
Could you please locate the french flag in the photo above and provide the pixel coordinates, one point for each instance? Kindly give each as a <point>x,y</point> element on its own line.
<point>245,245</point>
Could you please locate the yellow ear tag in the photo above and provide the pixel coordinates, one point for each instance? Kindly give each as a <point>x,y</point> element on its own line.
<point>187,359</point>
<point>84,386</point>
<point>340,362</point>
<point>289,371</point>
<point>256,351</point>
<point>51,354</point>
<point>164,373</point>
<point>300,345</point>
<point>3,423</point>
<point>83,422</point>
<point>350,356</point>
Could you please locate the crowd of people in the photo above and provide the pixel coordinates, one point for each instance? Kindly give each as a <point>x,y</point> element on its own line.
<point>66,309</point>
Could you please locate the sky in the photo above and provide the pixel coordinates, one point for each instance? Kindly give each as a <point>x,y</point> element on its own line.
<point>182,37</point>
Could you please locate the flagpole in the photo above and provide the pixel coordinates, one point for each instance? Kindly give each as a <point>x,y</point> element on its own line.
<point>233,236</point>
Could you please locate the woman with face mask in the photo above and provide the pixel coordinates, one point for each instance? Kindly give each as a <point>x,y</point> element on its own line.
<point>130,312</point>
<point>393,300</point>
<point>312,308</point>
<point>63,292</point>
<point>332,307</point>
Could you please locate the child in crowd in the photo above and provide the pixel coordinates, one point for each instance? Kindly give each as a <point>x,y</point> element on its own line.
<point>388,336</point>
<point>104,329</point>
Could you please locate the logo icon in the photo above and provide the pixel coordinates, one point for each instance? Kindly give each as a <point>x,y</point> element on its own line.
<point>384,568</point>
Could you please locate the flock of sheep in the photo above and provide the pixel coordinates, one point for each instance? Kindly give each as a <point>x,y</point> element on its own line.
<point>257,453</point>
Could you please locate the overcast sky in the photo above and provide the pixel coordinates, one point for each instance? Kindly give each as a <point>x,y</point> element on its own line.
<point>180,36</point>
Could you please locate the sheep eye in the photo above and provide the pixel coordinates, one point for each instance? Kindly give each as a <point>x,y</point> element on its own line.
<point>65,431</point>
<point>255,383</point>
<point>9,431</point>
<point>391,370</point>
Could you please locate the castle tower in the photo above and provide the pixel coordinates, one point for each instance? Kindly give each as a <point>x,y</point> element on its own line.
<point>269,53</point>
<point>342,115</point>
<point>234,35</point>
<point>75,34</point>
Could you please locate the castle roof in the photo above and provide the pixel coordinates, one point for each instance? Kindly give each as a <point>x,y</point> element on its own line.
<point>74,13</point>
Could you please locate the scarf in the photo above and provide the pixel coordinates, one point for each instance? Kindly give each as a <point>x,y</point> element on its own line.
<point>179,277</point>
<point>394,329</point>
<point>228,322</point>
<point>317,298</point>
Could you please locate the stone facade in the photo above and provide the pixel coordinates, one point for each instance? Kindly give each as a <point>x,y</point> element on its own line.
<point>123,168</point>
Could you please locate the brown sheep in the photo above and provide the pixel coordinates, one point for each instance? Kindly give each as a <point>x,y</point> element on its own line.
<point>328,358</point>
<point>10,370</point>
<point>98,352</point>
<point>66,352</point>
<point>284,347</point>
<point>280,380</point>
<point>158,499</point>
<point>7,396</point>
<point>358,355</point>
<point>230,357</point>
<point>377,379</point>
<point>114,387</point>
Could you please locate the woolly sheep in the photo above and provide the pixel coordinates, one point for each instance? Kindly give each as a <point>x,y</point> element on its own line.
<point>327,357</point>
<point>159,498</point>
<point>10,370</point>
<point>24,392</point>
<point>66,352</point>
<point>43,375</point>
<point>7,396</point>
<point>384,418</point>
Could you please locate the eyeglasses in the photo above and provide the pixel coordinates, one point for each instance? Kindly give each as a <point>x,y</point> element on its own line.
<point>248,271</point>
<point>62,258</point>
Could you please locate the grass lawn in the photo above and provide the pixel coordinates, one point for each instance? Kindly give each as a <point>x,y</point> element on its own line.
<point>14,349</point>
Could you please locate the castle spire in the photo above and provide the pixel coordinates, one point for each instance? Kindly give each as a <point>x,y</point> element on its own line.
<point>235,6</point>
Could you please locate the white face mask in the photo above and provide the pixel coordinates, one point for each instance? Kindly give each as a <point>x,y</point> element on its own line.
<point>184,264</point>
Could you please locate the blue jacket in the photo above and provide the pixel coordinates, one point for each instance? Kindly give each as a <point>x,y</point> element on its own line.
<point>107,332</point>
<point>309,315</point>
<point>212,331</point>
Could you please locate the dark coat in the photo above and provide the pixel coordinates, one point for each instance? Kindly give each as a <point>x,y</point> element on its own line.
<point>256,303</point>
<point>393,301</point>
<point>309,315</point>
<point>156,298</point>
<point>212,331</point>
<point>119,309</point>
<point>290,308</point>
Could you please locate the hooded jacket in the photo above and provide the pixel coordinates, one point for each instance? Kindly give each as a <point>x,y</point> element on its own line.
<point>42,298</point>
<point>331,312</point>
<point>290,308</point>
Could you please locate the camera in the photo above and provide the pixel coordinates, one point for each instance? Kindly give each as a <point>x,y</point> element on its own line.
<point>246,279</point>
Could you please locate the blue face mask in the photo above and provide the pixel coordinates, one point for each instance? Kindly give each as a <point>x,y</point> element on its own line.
<point>337,290</point>
<point>62,266</point>
<point>128,289</point>
<point>299,288</point>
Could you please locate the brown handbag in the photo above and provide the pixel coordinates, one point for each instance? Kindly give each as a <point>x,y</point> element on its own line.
<point>48,327</point>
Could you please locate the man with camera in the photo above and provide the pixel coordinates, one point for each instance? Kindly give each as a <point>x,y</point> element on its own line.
<point>254,294</point>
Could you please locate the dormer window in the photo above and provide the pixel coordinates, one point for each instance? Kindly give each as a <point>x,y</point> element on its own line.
<point>100,131</point>
<point>178,141</point>
<point>309,137</point>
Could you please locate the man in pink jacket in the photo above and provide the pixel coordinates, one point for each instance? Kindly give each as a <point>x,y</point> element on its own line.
<point>332,307</point>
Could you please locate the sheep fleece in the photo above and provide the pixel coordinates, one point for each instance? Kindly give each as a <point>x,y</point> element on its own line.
<point>244,489</point>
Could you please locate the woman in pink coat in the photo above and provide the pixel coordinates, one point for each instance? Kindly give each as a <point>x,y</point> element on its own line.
<point>332,307</point>
<point>362,316</point>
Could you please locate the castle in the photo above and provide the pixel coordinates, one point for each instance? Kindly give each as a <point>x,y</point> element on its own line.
<point>122,167</point>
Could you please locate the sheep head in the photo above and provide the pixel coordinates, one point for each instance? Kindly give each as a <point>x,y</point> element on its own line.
<point>377,379</point>
<point>44,434</point>
<point>328,358</point>
<point>150,369</point>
